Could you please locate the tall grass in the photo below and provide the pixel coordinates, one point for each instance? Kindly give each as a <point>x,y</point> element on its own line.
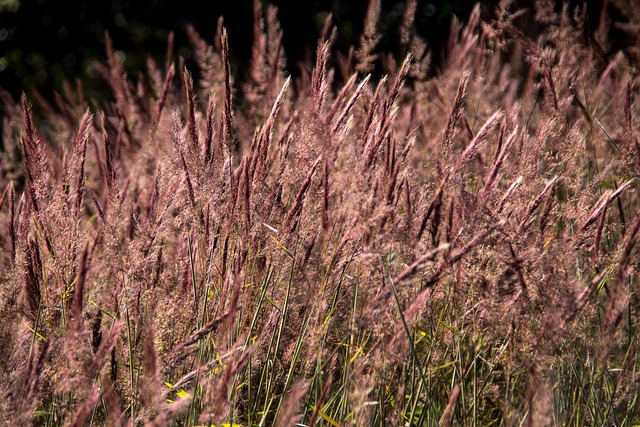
<point>448,248</point>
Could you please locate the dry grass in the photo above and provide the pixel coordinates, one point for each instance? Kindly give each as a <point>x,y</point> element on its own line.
<point>459,249</point>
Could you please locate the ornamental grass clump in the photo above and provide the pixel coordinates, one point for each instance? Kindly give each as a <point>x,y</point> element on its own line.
<point>450,246</point>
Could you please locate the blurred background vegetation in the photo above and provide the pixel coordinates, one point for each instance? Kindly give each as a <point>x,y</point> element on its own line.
<point>45,42</point>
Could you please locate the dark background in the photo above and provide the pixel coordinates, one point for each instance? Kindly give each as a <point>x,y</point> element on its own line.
<point>45,42</point>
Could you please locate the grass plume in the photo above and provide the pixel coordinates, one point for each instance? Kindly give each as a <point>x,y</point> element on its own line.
<point>417,246</point>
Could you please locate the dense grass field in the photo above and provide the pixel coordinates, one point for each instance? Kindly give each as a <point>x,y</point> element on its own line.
<point>431,247</point>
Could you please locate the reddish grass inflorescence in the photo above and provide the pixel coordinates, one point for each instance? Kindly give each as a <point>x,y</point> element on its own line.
<point>455,246</point>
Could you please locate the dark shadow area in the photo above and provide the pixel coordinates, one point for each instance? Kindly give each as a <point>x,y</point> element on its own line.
<point>44,43</point>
